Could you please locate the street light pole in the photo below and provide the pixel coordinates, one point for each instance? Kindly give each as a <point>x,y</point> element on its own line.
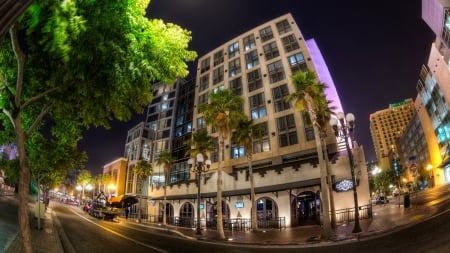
<point>198,167</point>
<point>345,130</point>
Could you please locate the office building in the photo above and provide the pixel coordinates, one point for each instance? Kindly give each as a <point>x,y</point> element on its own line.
<point>257,65</point>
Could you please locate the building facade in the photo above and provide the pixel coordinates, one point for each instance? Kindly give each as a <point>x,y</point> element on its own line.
<point>257,65</point>
<point>386,126</point>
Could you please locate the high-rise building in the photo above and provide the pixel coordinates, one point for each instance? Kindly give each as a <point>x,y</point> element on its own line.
<point>386,126</point>
<point>257,65</point>
<point>433,98</point>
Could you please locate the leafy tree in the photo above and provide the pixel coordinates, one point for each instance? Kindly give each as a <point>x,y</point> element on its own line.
<point>78,63</point>
<point>307,97</point>
<point>142,170</point>
<point>223,112</point>
<point>246,132</point>
<point>165,160</point>
<point>382,181</point>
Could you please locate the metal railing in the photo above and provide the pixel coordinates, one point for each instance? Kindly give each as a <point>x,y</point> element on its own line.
<point>344,216</point>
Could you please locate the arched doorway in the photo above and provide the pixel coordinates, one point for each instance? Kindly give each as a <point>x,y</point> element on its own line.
<point>169,213</point>
<point>186,218</point>
<point>266,209</point>
<point>305,208</point>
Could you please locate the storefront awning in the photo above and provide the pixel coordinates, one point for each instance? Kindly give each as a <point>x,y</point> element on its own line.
<point>123,201</point>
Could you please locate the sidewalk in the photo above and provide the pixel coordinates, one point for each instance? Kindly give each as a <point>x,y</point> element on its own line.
<point>45,240</point>
<point>386,218</point>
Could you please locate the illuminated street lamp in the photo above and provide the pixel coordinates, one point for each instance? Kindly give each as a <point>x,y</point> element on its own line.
<point>343,127</point>
<point>198,166</point>
<point>79,188</point>
<point>89,188</point>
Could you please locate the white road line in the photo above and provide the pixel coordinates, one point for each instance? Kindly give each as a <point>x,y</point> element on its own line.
<point>123,236</point>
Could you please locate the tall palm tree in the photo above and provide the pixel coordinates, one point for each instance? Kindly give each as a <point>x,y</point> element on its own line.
<point>324,112</point>
<point>244,135</point>
<point>307,97</point>
<point>143,169</point>
<point>201,143</point>
<point>165,160</point>
<point>223,112</point>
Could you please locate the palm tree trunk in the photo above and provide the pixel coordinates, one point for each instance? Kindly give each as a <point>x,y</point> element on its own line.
<point>254,220</point>
<point>220,231</point>
<point>326,227</point>
<point>330,187</point>
<point>164,205</point>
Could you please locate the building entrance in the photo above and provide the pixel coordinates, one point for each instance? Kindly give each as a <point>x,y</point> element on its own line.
<point>305,208</point>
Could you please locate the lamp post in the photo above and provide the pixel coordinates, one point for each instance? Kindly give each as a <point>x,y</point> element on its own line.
<point>430,173</point>
<point>343,127</point>
<point>198,166</point>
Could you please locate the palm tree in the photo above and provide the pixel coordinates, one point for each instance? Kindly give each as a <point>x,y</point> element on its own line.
<point>324,112</point>
<point>223,112</point>
<point>244,135</point>
<point>143,169</point>
<point>165,160</point>
<point>201,143</point>
<point>308,96</point>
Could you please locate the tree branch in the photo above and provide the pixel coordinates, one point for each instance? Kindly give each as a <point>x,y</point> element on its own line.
<point>20,63</point>
<point>39,118</point>
<point>37,97</point>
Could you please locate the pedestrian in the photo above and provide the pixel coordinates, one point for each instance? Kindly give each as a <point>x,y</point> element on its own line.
<point>126,212</point>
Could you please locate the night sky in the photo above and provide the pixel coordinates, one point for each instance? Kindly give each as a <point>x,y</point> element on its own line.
<point>374,52</point>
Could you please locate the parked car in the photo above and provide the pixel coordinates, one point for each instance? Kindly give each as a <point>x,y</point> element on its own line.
<point>381,200</point>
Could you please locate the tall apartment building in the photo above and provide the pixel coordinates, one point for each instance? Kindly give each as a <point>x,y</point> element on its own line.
<point>257,65</point>
<point>386,126</point>
<point>433,98</point>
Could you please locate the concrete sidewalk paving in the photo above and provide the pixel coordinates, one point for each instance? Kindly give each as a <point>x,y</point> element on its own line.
<point>386,218</point>
<point>44,240</point>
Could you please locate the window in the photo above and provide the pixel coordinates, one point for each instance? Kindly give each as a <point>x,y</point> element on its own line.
<point>271,51</point>
<point>233,50</point>
<point>276,72</point>
<point>236,86</point>
<point>287,134</point>
<point>234,67</point>
<point>237,152</point>
<point>257,106</point>
<point>218,75</point>
<point>263,143</point>
<point>290,43</point>
<point>251,59</point>
<point>254,80</point>
<point>202,99</point>
<point>297,62</point>
<point>204,65</point>
<point>249,42</point>
<point>204,83</point>
<point>266,34</point>
<point>201,123</point>
<point>218,58</point>
<point>279,95</point>
<point>283,27</point>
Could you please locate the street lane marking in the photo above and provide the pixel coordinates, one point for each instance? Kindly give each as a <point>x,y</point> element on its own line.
<point>123,236</point>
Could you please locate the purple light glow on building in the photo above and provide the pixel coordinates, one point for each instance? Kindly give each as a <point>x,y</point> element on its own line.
<point>324,75</point>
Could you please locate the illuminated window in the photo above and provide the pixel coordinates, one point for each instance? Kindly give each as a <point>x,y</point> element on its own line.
<point>251,59</point>
<point>249,42</point>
